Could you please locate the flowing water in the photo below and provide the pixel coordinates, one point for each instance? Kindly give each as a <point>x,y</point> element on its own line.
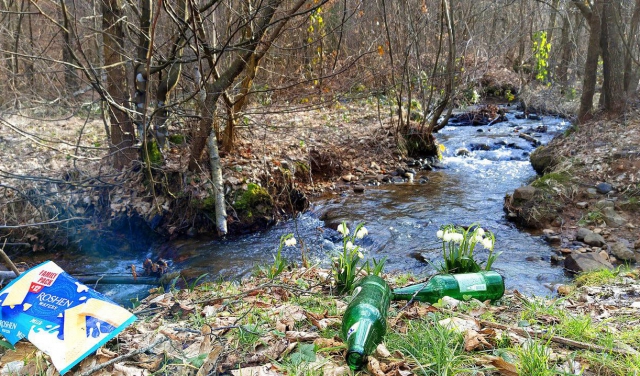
<point>402,219</point>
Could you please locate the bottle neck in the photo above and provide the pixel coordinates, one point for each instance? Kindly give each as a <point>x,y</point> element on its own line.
<point>359,339</point>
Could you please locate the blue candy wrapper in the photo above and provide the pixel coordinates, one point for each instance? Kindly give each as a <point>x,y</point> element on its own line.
<point>59,315</point>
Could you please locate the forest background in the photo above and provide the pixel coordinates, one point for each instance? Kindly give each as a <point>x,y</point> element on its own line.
<point>121,111</point>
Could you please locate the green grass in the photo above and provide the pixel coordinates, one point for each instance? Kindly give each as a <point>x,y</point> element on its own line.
<point>596,278</point>
<point>431,348</point>
<point>534,359</point>
<point>551,179</point>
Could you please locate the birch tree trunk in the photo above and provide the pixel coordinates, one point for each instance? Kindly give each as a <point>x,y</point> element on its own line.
<point>218,187</point>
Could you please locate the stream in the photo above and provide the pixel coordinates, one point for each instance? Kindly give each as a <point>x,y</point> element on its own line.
<point>402,219</point>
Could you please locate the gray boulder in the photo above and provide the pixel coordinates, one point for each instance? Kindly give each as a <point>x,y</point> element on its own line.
<point>611,218</point>
<point>594,240</point>
<point>584,262</point>
<point>525,193</point>
<point>622,252</point>
<point>582,232</point>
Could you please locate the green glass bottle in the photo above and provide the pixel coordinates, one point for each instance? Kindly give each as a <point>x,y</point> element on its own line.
<point>486,285</point>
<point>364,323</point>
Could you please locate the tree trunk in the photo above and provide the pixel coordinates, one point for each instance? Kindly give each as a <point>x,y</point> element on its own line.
<point>631,54</point>
<point>68,36</point>
<point>121,129</point>
<point>218,186</point>
<point>591,64</point>
<point>612,58</point>
<point>566,48</point>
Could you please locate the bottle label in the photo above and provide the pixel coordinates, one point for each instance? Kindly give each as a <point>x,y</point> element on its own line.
<point>353,329</point>
<point>470,282</point>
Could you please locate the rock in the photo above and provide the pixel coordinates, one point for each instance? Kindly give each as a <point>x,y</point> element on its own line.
<point>543,159</point>
<point>525,193</point>
<point>605,204</point>
<point>621,252</point>
<point>611,218</point>
<point>582,205</point>
<point>582,232</point>
<point>374,166</point>
<point>358,188</point>
<point>636,245</point>
<point>592,192</point>
<point>564,290</point>
<point>555,259</point>
<point>347,177</point>
<point>604,255</point>
<point>463,152</point>
<point>594,240</point>
<point>604,188</point>
<point>534,117</point>
<point>583,262</point>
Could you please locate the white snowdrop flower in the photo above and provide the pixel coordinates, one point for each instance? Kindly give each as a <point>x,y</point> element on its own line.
<point>480,231</point>
<point>447,236</point>
<point>290,242</point>
<point>458,238</point>
<point>343,229</point>
<point>487,243</point>
<point>477,238</point>
<point>360,255</point>
<point>362,233</point>
<point>440,234</point>
<point>349,246</point>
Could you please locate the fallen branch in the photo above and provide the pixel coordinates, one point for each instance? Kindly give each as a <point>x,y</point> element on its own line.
<point>116,279</point>
<point>90,371</point>
<point>545,336</point>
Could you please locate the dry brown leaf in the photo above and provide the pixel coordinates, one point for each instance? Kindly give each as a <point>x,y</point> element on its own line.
<point>293,335</point>
<point>459,325</point>
<point>264,370</point>
<point>505,368</point>
<point>322,343</point>
<point>382,352</point>
<point>373,366</point>
<point>122,370</point>
<point>474,340</point>
<point>210,362</point>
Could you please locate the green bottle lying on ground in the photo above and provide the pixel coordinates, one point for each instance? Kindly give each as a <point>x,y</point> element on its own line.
<point>364,323</point>
<point>485,285</point>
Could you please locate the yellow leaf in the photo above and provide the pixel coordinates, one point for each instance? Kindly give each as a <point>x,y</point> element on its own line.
<point>380,50</point>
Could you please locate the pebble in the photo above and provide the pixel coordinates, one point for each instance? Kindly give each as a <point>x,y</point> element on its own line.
<point>604,188</point>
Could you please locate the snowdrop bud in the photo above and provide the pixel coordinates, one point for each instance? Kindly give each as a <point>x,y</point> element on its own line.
<point>290,242</point>
<point>343,229</point>
<point>349,246</point>
<point>360,255</point>
<point>440,234</point>
<point>362,233</point>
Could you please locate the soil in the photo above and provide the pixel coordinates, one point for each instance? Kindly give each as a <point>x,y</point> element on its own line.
<point>603,150</point>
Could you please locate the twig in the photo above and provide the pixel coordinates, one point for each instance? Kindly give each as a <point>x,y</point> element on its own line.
<point>426,282</point>
<point>552,338</point>
<point>46,223</point>
<point>7,260</point>
<point>90,371</point>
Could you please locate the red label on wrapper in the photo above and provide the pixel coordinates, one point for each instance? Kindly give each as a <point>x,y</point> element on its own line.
<point>35,288</point>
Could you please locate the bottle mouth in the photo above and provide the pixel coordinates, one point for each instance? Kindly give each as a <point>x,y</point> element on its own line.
<point>355,359</point>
